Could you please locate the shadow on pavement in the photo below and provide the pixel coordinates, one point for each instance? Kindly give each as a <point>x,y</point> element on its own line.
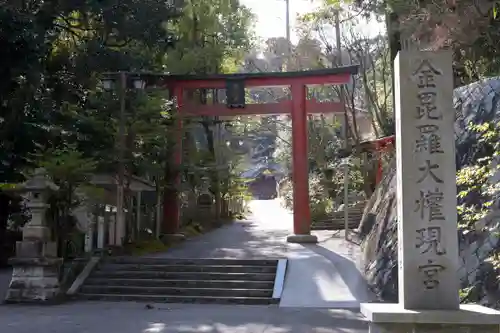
<point>240,240</point>
<point>165,318</point>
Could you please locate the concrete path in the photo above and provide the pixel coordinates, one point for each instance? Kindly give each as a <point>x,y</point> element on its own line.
<point>323,275</point>
<point>261,236</point>
<point>90,317</point>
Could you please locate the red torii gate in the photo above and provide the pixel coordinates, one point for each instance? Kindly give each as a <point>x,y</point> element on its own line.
<point>299,106</point>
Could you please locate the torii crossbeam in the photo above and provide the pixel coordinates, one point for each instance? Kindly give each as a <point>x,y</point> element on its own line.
<point>299,107</point>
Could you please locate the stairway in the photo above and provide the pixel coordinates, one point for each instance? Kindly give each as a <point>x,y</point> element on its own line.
<point>158,280</point>
<point>337,222</point>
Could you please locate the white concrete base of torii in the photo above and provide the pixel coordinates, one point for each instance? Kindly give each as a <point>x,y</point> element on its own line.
<point>393,318</point>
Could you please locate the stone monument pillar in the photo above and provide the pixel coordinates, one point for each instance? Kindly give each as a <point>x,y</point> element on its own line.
<point>426,205</point>
<point>112,228</point>
<point>101,232</point>
<point>35,277</point>
<point>89,238</point>
<point>85,223</point>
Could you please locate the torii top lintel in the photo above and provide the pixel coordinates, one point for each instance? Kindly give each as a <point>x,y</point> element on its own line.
<point>339,75</point>
<point>180,83</point>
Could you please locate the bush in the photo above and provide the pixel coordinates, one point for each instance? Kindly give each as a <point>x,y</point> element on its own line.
<point>145,247</point>
<point>321,192</point>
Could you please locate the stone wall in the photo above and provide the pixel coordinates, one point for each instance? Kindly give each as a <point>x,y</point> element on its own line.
<point>476,102</point>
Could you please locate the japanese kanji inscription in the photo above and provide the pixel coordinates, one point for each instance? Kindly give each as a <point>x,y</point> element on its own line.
<point>426,182</point>
<point>428,143</point>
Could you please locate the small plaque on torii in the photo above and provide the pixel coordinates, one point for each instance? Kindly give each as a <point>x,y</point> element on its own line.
<point>235,93</point>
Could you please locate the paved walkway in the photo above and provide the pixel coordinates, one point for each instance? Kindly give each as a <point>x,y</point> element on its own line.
<point>323,275</point>
<point>322,290</point>
<point>90,317</point>
<point>262,236</point>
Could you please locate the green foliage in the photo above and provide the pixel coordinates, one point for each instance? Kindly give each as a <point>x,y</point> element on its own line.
<point>53,51</point>
<point>371,89</point>
<point>146,247</point>
<point>471,31</point>
<point>55,54</point>
<point>467,294</point>
<point>71,171</point>
<point>66,166</point>
<point>9,187</point>
<point>212,37</point>
<point>326,175</point>
<point>476,190</point>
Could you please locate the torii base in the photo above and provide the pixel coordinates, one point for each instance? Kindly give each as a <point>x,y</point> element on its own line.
<point>302,239</point>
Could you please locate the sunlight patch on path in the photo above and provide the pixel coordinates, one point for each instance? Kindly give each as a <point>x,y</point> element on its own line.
<point>313,280</point>
<point>269,214</point>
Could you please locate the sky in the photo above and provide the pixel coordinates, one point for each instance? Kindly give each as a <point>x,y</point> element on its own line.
<point>271,16</point>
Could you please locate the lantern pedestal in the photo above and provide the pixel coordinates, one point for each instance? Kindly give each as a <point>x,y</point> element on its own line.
<point>34,280</point>
<point>35,276</point>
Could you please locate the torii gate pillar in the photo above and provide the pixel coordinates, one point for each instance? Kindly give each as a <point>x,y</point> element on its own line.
<point>300,171</point>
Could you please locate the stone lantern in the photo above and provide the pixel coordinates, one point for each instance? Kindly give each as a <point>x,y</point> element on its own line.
<point>35,276</point>
<point>205,200</point>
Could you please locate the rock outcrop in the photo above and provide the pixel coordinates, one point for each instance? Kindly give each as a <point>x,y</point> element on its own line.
<point>477,102</point>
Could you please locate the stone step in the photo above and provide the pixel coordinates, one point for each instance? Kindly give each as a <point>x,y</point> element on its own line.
<point>334,225</point>
<point>338,221</point>
<point>350,213</point>
<point>173,291</point>
<point>335,221</point>
<point>180,299</point>
<point>341,215</point>
<point>330,227</point>
<point>236,284</point>
<point>351,218</point>
<point>187,261</point>
<point>183,275</point>
<point>188,268</point>
<point>182,280</point>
